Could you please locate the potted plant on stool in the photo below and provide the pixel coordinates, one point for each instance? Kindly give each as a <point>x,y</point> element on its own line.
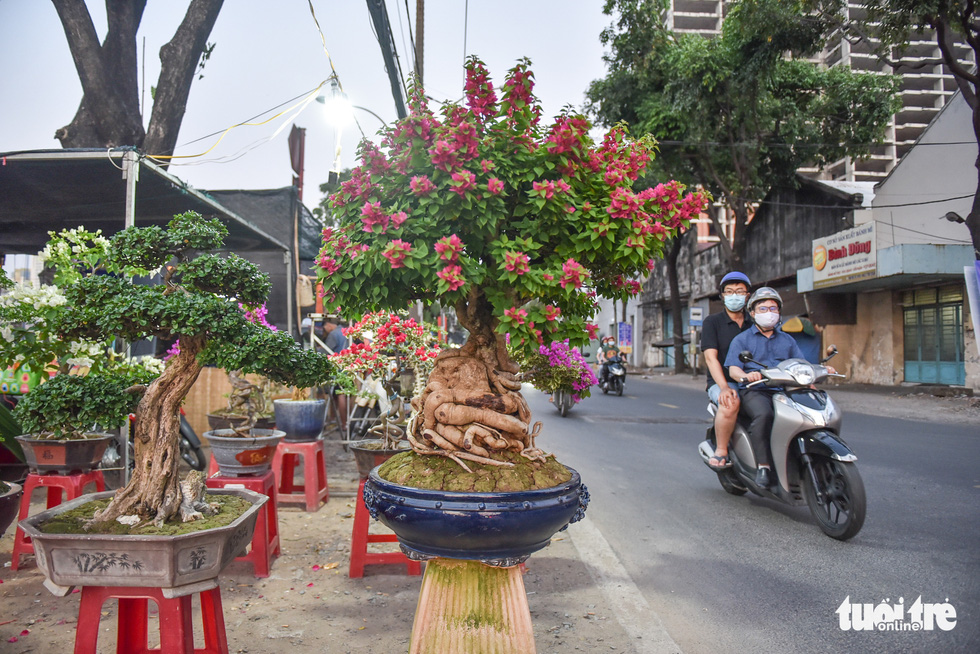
<point>482,209</point>
<point>197,301</point>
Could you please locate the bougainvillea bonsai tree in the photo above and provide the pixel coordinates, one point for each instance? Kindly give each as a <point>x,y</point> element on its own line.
<point>197,302</point>
<point>517,226</point>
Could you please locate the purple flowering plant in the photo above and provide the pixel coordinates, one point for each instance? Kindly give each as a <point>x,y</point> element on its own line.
<point>558,366</point>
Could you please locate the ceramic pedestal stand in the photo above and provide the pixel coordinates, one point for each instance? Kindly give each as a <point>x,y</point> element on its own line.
<point>473,597</point>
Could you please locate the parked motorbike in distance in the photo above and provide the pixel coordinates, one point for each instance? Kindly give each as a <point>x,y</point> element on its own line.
<point>563,401</point>
<point>615,376</point>
<point>812,464</point>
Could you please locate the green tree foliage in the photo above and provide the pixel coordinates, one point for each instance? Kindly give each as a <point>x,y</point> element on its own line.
<point>739,113</point>
<point>889,25</point>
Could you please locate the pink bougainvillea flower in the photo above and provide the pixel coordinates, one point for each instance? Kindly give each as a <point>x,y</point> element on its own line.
<point>328,264</point>
<point>495,186</point>
<point>372,216</point>
<point>449,247</point>
<point>486,165</point>
<point>651,264</point>
<point>633,287</point>
<point>516,262</point>
<point>518,316</point>
<point>480,95</point>
<point>593,330</point>
<point>548,277</point>
<point>398,218</point>
<point>463,181</point>
<point>396,252</point>
<point>444,155</point>
<point>573,273</point>
<point>551,312</point>
<point>452,275</point>
<point>545,189</point>
<point>421,185</point>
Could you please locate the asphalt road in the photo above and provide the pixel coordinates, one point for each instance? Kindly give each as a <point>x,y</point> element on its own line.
<point>745,574</point>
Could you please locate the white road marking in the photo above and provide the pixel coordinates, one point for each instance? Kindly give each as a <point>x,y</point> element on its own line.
<point>669,406</point>
<point>632,611</point>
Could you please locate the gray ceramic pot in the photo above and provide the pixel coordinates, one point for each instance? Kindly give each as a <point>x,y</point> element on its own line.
<point>237,455</point>
<point>181,565</point>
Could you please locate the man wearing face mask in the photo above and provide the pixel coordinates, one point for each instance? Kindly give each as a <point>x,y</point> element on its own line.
<point>769,346</point>
<point>717,333</point>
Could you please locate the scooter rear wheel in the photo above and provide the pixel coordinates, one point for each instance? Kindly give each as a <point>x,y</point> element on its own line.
<point>731,483</point>
<point>838,503</point>
<point>619,387</point>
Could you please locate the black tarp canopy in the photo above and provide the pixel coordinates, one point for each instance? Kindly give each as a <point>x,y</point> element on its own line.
<point>51,190</point>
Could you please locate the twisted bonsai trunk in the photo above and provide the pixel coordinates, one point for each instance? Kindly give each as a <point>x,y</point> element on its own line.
<point>472,407</point>
<point>154,492</point>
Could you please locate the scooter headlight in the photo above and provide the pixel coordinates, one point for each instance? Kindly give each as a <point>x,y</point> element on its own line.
<point>802,373</point>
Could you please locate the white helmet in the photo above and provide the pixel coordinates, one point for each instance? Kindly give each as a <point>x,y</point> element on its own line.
<point>764,293</point>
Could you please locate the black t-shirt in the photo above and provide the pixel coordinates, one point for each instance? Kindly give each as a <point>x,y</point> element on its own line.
<point>717,333</point>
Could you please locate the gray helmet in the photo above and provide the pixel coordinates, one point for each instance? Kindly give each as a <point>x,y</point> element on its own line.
<point>764,293</point>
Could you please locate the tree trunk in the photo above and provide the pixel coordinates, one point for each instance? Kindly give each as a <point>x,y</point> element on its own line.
<point>973,218</point>
<point>154,491</point>
<point>108,114</point>
<point>472,407</point>
<point>741,209</point>
<point>179,59</point>
<point>680,362</point>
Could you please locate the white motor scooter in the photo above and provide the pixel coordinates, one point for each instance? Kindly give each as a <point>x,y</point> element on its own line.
<point>811,463</point>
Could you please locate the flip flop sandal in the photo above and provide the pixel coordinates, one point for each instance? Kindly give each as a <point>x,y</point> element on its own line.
<point>719,462</point>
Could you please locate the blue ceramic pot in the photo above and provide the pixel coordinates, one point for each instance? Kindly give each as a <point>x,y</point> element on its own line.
<point>302,420</point>
<point>501,529</point>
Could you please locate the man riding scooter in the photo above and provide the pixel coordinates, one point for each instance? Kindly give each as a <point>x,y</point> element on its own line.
<point>768,346</point>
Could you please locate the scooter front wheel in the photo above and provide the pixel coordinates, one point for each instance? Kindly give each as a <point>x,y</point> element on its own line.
<point>837,500</point>
<point>619,387</point>
<point>730,482</point>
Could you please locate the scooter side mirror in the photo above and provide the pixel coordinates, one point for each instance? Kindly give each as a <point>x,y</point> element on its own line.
<point>745,356</point>
<point>831,353</point>
<point>586,353</point>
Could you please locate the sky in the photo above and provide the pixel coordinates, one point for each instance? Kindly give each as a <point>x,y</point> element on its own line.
<point>269,53</point>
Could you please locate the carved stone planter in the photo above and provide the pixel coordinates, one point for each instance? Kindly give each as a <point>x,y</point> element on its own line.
<point>499,529</point>
<point>181,565</point>
<point>78,455</point>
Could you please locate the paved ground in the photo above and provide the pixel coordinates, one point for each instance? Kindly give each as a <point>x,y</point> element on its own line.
<point>310,605</point>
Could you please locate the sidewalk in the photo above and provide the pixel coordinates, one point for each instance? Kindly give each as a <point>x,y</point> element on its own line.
<point>308,604</point>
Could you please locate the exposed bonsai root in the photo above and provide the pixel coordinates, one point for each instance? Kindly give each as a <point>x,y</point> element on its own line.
<point>471,409</point>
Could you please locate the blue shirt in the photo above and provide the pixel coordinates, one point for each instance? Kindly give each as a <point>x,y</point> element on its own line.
<point>767,351</point>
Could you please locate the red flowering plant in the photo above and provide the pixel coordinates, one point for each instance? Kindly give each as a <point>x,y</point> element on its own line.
<point>386,336</point>
<point>482,208</point>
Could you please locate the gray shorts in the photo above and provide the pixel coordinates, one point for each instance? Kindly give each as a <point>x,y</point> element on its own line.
<point>715,391</point>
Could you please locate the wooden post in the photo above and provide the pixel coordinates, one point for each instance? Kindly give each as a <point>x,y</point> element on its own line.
<point>466,607</point>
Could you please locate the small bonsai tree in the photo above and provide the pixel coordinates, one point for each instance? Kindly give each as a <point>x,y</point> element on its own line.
<point>482,209</point>
<point>197,302</point>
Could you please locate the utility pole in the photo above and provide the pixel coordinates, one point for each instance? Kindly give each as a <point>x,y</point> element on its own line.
<point>419,37</point>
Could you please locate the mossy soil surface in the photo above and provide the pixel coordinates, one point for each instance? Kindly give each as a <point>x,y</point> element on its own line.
<point>73,522</point>
<point>441,473</point>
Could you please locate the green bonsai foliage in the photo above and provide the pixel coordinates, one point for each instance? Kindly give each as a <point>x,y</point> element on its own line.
<point>198,303</point>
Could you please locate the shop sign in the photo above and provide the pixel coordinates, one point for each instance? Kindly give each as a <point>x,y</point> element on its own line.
<point>845,257</point>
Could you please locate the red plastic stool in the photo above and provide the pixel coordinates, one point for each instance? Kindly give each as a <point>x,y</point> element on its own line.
<point>71,486</point>
<point>265,541</point>
<point>314,490</point>
<point>176,627</point>
<point>359,556</point>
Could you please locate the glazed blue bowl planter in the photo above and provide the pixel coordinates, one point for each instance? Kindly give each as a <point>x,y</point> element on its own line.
<point>498,529</point>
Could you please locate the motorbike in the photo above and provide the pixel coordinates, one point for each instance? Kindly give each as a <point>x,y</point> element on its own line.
<point>812,464</point>
<point>615,376</point>
<point>563,401</point>
<point>190,452</point>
